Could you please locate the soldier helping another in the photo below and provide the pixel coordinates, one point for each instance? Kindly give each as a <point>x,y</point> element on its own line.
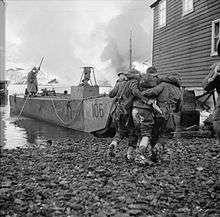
<point>124,92</point>
<point>143,115</point>
<point>146,124</point>
<point>169,96</point>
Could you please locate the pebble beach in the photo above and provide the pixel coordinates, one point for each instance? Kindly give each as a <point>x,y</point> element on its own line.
<point>75,177</point>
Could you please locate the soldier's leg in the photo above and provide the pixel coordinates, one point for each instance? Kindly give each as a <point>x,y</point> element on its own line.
<point>133,134</point>
<point>132,145</point>
<point>115,141</point>
<point>217,124</point>
<point>157,137</point>
<point>217,131</point>
<point>160,143</point>
<point>146,126</point>
<point>132,140</point>
<point>120,134</point>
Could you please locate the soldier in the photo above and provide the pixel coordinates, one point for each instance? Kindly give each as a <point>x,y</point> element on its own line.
<point>211,82</point>
<point>169,95</point>
<point>118,118</point>
<point>124,100</point>
<point>143,116</point>
<point>32,85</point>
<point>152,72</point>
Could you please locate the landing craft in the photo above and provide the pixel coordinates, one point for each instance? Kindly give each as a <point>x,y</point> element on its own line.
<point>84,109</point>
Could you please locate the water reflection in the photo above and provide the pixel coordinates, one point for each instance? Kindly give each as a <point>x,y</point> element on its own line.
<point>3,101</point>
<point>24,132</point>
<point>28,132</point>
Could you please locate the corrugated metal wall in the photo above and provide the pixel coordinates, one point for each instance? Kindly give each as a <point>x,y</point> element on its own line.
<point>2,40</point>
<point>184,44</point>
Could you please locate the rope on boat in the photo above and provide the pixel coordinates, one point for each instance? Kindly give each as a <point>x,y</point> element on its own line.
<point>77,109</point>
<point>22,109</point>
<point>55,110</point>
<point>58,116</point>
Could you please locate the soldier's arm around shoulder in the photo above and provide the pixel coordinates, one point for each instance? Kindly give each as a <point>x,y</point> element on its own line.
<point>135,89</point>
<point>155,91</point>
<point>114,91</point>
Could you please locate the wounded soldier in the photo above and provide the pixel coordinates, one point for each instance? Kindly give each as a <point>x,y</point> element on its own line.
<point>169,96</point>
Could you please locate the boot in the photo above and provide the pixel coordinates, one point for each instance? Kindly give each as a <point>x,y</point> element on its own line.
<point>111,149</point>
<point>141,157</point>
<point>130,154</point>
<point>143,145</point>
<point>142,160</point>
<point>158,152</point>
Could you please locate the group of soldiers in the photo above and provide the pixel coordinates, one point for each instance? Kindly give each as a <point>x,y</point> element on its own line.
<point>144,107</point>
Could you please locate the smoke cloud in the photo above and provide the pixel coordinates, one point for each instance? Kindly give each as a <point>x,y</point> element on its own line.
<point>135,17</point>
<point>72,34</point>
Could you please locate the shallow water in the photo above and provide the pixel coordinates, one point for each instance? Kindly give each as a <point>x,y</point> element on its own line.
<point>24,132</point>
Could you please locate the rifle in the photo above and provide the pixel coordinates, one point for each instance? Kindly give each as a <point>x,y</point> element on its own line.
<point>40,63</point>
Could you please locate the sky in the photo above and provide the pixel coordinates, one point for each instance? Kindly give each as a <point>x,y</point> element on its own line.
<point>75,33</point>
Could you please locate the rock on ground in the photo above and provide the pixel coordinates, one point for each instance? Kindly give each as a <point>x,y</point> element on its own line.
<point>76,178</point>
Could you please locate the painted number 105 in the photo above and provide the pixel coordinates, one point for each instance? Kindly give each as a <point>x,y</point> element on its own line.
<point>97,110</point>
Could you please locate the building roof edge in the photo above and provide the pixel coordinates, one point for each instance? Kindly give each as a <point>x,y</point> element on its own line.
<point>155,3</point>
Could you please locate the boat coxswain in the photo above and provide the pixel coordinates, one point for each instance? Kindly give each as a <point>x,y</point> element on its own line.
<point>32,85</point>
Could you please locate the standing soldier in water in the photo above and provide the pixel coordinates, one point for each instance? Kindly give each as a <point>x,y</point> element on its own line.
<point>211,82</point>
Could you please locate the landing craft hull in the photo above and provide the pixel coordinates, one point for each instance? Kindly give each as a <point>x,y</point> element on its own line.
<point>88,115</point>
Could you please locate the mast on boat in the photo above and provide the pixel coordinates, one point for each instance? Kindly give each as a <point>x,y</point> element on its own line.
<point>130,50</point>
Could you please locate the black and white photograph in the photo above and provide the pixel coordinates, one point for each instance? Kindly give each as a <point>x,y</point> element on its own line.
<point>110,108</point>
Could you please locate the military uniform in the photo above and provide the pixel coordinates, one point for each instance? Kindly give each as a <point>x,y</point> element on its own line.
<point>168,94</point>
<point>143,113</point>
<point>32,85</point>
<point>143,117</point>
<point>124,96</point>
<point>211,82</point>
<point>117,116</point>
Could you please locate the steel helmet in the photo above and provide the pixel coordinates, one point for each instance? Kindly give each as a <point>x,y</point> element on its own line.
<point>121,72</point>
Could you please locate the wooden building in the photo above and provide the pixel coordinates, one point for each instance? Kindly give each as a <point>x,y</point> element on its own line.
<point>184,37</point>
<point>2,40</point>
<point>3,82</point>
